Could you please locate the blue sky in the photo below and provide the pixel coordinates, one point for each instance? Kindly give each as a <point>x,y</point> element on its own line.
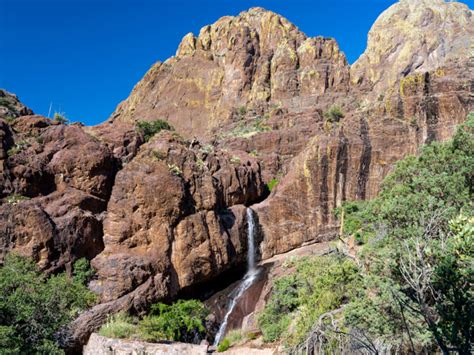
<point>85,56</point>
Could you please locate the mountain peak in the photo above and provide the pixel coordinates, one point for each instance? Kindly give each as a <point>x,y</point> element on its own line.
<point>413,36</point>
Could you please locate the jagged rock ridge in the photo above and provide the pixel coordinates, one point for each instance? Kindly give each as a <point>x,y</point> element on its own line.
<point>163,216</point>
<point>256,58</point>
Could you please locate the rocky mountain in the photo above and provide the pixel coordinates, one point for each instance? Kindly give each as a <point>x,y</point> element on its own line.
<point>253,100</point>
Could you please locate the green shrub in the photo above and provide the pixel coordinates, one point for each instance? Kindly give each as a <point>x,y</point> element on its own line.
<point>208,149</point>
<point>7,103</point>
<point>251,335</point>
<point>180,321</point>
<point>10,119</point>
<point>34,308</point>
<point>272,184</point>
<point>242,110</point>
<point>235,160</point>
<point>223,345</point>
<point>119,326</point>
<point>418,287</point>
<point>248,129</point>
<point>15,198</point>
<point>82,271</point>
<point>318,285</point>
<point>333,114</point>
<point>234,336</point>
<point>18,147</point>
<point>174,169</point>
<point>60,117</point>
<point>149,128</point>
<point>253,153</point>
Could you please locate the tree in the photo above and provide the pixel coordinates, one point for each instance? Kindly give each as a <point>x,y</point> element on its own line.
<point>34,308</point>
<point>418,270</point>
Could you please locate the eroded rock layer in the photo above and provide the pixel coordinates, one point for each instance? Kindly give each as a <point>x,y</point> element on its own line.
<point>252,96</point>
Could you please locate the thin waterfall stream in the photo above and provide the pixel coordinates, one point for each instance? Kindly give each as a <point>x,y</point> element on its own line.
<point>249,278</point>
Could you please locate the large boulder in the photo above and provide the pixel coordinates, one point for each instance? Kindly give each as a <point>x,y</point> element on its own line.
<point>57,181</point>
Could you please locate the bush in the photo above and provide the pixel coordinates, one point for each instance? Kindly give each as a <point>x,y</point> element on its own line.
<point>333,114</point>
<point>149,128</point>
<point>234,336</point>
<point>181,321</point>
<point>60,117</point>
<point>119,326</point>
<point>18,147</point>
<point>82,271</point>
<point>15,198</point>
<point>418,287</point>
<point>174,169</point>
<point>318,285</point>
<point>223,345</point>
<point>34,309</point>
<point>272,184</point>
<point>248,129</point>
<point>235,160</point>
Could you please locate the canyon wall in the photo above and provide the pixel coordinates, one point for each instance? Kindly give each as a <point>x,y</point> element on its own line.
<point>249,98</point>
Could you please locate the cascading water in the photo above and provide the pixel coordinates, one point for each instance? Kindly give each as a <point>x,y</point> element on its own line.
<point>248,279</point>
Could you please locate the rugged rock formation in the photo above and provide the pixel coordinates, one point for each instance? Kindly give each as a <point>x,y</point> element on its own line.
<point>99,345</point>
<point>254,59</point>
<point>11,107</point>
<point>348,160</point>
<point>176,218</point>
<point>57,180</point>
<point>164,217</point>
<point>175,210</point>
<point>414,36</point>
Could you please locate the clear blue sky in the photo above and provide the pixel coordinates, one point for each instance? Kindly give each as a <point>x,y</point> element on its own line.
<point>85,56</point>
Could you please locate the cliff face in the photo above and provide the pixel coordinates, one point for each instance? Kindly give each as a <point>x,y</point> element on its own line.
<point>254,59</point>
<point>163,216</point>
<point>401,106</point>
<point>414,36</point>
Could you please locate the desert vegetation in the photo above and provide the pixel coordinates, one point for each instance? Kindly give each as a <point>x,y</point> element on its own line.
<point>409,286</point>
<point>149,128</point>
<point>35,310</point>
<point>183,320</point>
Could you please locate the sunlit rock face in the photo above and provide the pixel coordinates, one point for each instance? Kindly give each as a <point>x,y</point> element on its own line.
<point>414,36</point>
<point>254,59</point>
<point>248,98</point>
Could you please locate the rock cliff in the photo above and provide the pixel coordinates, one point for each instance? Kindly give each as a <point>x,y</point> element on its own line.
<point>414,36</point>
<point>250,98</point>
<point>254,59</point>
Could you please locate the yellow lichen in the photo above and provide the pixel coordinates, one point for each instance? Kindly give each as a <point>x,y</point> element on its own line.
<point>411,82</point>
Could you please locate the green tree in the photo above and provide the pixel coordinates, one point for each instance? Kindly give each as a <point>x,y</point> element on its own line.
<point>34,308</point>
<point>333,114</point>
<point>417,265</point>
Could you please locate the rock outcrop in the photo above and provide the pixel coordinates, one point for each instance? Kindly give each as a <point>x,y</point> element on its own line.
<point>175,219</point>
<point>56,183</point>
<point>11,107</point>
<point>176,210</point>
<point>99,345</point>
<point>252,97</point>
<point>414,36</point>
<point>251,60</point>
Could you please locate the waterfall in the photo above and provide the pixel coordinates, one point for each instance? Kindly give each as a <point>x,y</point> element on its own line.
<point>250,241</point>
<point>248,279</point>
